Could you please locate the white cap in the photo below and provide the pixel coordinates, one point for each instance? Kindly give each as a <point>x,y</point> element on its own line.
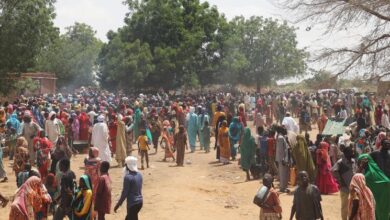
<point>131,163</point>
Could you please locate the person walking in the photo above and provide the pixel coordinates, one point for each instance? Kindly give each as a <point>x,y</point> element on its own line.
<point>180,143</point>
<point>361,199</point>
<point>307,200</point>
<point>100,138</point>
<point>132,189</point>
<point>103,192</point>
<point>343,171</point>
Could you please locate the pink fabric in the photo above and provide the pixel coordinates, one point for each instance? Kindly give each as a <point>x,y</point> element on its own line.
<point>325,181</point>
<point>378,141</point>
<point>366,209</point>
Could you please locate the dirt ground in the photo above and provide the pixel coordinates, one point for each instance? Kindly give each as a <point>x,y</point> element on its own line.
<point>202,189</point>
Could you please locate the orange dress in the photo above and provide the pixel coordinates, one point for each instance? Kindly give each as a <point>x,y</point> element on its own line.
<point>224,144</point>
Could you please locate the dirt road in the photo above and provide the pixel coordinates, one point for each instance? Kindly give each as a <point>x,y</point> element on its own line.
<point>202,189</point>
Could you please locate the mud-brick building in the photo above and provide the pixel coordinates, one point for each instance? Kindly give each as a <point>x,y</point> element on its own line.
<point>46,82</point>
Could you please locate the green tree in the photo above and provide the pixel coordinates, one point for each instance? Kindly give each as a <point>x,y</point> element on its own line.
<point>72,57</point>
<point>181,36</point>
<point>26,27</point>
<point>263,50</point>
<point>124,65</point>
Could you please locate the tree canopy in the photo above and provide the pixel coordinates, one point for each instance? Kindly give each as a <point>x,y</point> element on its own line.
<point>369,20</point>
<point>183,42</point>
<point>26,27</point>
<point>72,56</point>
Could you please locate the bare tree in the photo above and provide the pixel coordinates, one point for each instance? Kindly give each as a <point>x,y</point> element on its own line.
<point>370,19</point>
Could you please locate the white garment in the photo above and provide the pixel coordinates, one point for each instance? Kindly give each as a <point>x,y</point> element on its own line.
<point>290,124</point>
<point>52,130</point>
<point>385,121</point>
<point>91,116</point>
<point>100,140</point>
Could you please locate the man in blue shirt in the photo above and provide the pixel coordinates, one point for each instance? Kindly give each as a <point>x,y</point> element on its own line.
<point>132,189</point>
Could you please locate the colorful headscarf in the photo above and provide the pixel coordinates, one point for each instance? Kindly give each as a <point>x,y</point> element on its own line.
<point>366,209</point>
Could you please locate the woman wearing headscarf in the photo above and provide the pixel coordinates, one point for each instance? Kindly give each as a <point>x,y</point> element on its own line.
<point>325,181</point>
<point>14,122</point>
<point>43,146</point>
<point>75,127</point>
<point>248,152</point>
<point>192,128</point>
<point>129,134</point>
<point>120,153</point>
<point>82,203</point>
<point>378,141</point>
<point>378,183</point>
<point>29,200</point>
<point>137,121</point>
<point>235,131</point>
<point>84,126</point>
<point>92,167</point>
<point>113,131</point>
<point>3,116</point>
<point>203,117</point>
<point>361,199</point>
<point>21,155</point>
<point>218,125</point>
<point>302,157</point>
<point>224,143</point>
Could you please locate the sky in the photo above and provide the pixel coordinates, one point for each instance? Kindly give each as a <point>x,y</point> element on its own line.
<point>105,15</point>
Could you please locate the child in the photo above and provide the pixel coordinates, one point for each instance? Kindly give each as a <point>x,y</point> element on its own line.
<point>307,199</point>
<point>52,189</point>
<point>206,136</point>
<point>23,175</point>
<point>143,148</point>
<point>103,192</point>
<point>270,208</point>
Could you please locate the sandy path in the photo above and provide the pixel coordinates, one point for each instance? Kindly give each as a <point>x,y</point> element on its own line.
<point>200,190</point>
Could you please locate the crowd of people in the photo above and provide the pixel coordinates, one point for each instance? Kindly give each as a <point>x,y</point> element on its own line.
<point>40,134</point>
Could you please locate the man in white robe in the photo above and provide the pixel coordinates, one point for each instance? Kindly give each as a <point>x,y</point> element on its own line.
<point>52,128</point>
<point>100,138</point>
<point>290,124</point>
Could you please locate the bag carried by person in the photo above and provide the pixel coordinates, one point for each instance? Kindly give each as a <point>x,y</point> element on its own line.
<point>261,196</point>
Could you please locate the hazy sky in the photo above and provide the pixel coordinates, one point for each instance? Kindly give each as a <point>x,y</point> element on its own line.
<point>105,15</point>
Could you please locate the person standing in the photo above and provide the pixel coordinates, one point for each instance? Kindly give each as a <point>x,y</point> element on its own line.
<point>132,189</point>
<point>302,158</point>
<point>235,131</point>
<point>143,148</point>
<point>224,143</point>
<point>271,208</point>
<point>29,131</point>
<point>248,152</point>
<point>100,138</point>
<point>361,199</point>
<point>103,192</point>
<point>120,153</point>
<point>324,180</point>
<point>307,200</point>
<point>52,128</point>
<point>282,158</point>
<point>382,157</point>
<point>192,128</point>
<point>385,119</point>
<point>343,170</point>
<point>378,183</point>
<point>82,202</point>
<point>180,143</point>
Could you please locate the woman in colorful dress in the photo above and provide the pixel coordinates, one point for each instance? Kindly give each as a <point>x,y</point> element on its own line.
<point>92,166</point>
<point>43,147</point>
<point>75,127</point>
<point>21,155</point>
<point>325,181</point>
<point>82,204</point>
<point>84,126</point>
<point>378,183</point>
<point>29,200</point>
<point>224,143</point>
